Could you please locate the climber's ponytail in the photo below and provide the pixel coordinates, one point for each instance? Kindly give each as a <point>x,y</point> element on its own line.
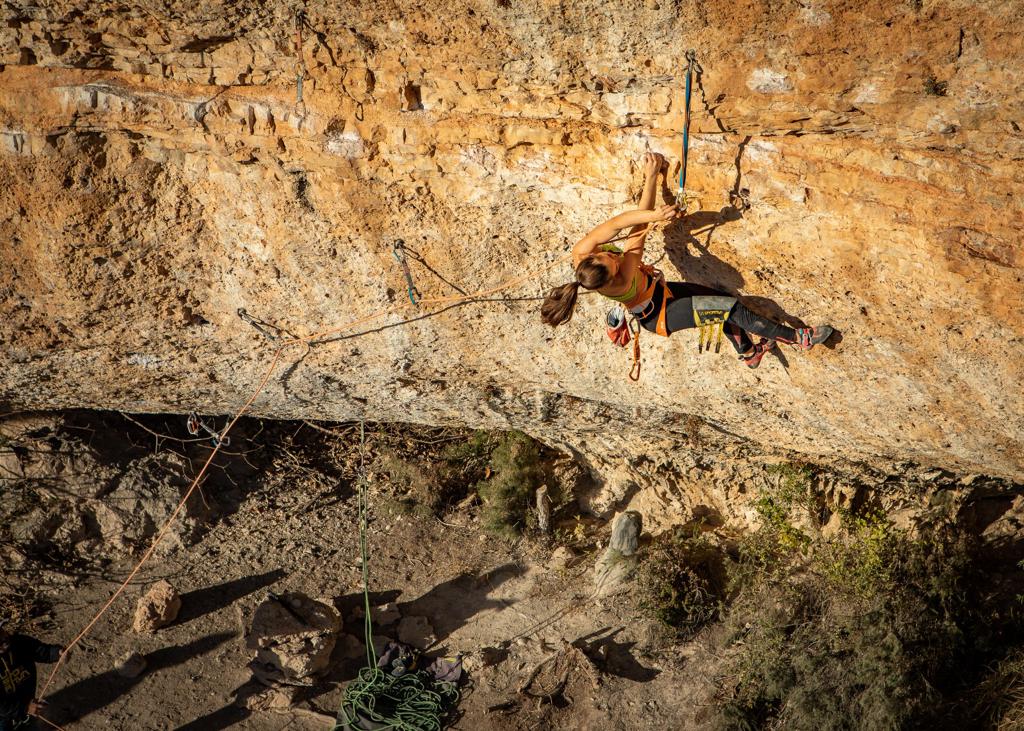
<point>559,304</point>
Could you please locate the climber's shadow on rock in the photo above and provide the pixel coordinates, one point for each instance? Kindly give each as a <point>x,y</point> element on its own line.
<point>693,257</point>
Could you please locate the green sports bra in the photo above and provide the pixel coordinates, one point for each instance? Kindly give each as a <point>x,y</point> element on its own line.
<point>630,294</point>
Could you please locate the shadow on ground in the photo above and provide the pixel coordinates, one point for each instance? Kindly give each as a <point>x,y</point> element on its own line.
<point>91,694</point>
<point>200,602</point>
<point>615,658</point>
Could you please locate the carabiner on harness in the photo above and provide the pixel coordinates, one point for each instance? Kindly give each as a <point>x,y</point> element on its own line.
<point>634,371</point>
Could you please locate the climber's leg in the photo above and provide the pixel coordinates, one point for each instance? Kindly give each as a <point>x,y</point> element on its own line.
<point>803,338</point>
<point>739,338</point>
<point>762,326</point>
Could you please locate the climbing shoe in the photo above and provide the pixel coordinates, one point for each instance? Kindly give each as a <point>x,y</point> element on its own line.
<point>753,359</point>
<point>808,337</point>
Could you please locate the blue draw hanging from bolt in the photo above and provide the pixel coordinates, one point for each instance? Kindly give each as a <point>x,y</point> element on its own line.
<point>691,61</point>
<point>398,249</point>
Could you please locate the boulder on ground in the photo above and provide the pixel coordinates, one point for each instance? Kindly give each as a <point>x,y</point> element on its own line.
<point>618,562</point>
<point>293,636</point>
<point>626,532</point>
<point>416,631</point>
<point>157,608</point>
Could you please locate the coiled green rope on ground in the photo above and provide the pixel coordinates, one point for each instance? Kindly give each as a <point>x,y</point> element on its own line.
<point>414,701</point>
<point>410,702</point>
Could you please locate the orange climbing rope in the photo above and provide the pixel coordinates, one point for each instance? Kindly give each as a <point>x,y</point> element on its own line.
<point>307,341</point>
<point>163,530</point>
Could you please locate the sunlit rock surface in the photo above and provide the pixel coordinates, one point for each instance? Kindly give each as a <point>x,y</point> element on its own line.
<point>857,164</point>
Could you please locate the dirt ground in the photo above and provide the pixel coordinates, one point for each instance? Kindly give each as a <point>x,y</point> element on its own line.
<point>286,520</point>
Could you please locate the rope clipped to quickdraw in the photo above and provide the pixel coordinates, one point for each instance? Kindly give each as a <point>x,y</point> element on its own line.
<point>398,249</point>
<point>681,196</point>
<point>300,66</point>
<point>409,702</point>
<point>262,327</point>
<point>681,200</point>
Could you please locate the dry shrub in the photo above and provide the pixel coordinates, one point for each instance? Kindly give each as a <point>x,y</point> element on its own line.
<point>857,631</point>
<point>680,582</point>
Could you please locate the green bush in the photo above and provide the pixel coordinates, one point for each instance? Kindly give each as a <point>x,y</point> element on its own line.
<point>851,632</point>
<point>516,471</point>
<point>769,552</point>
<point>680,582</point>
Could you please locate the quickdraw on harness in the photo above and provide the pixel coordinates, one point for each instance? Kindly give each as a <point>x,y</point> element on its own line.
<point>398,249</point>
<point>194,425</point>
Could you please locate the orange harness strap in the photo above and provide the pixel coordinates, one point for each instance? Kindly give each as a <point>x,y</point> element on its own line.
<point>656,277</point>
<point>653,278</point>
<point>666,295</point>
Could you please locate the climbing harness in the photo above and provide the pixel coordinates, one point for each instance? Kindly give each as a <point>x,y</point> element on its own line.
<point>661,328</point>
<point>709,315</point>
<point>194,425</point>
<point>300,67</point>
<point>615,319</point>
<point>398,249</point>
<point>393,693</point>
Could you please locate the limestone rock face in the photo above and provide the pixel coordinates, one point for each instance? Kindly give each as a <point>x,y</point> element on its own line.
<point>852,164</point>
<point>157,608</point>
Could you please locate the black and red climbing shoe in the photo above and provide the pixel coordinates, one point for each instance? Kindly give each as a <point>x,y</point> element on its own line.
<point>808,337</point>
<point>753,359</point>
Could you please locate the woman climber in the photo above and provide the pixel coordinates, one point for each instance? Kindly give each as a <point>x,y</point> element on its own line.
<point>620,275</point>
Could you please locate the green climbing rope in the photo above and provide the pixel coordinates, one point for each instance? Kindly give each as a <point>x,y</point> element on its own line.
<point>376,699</point>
